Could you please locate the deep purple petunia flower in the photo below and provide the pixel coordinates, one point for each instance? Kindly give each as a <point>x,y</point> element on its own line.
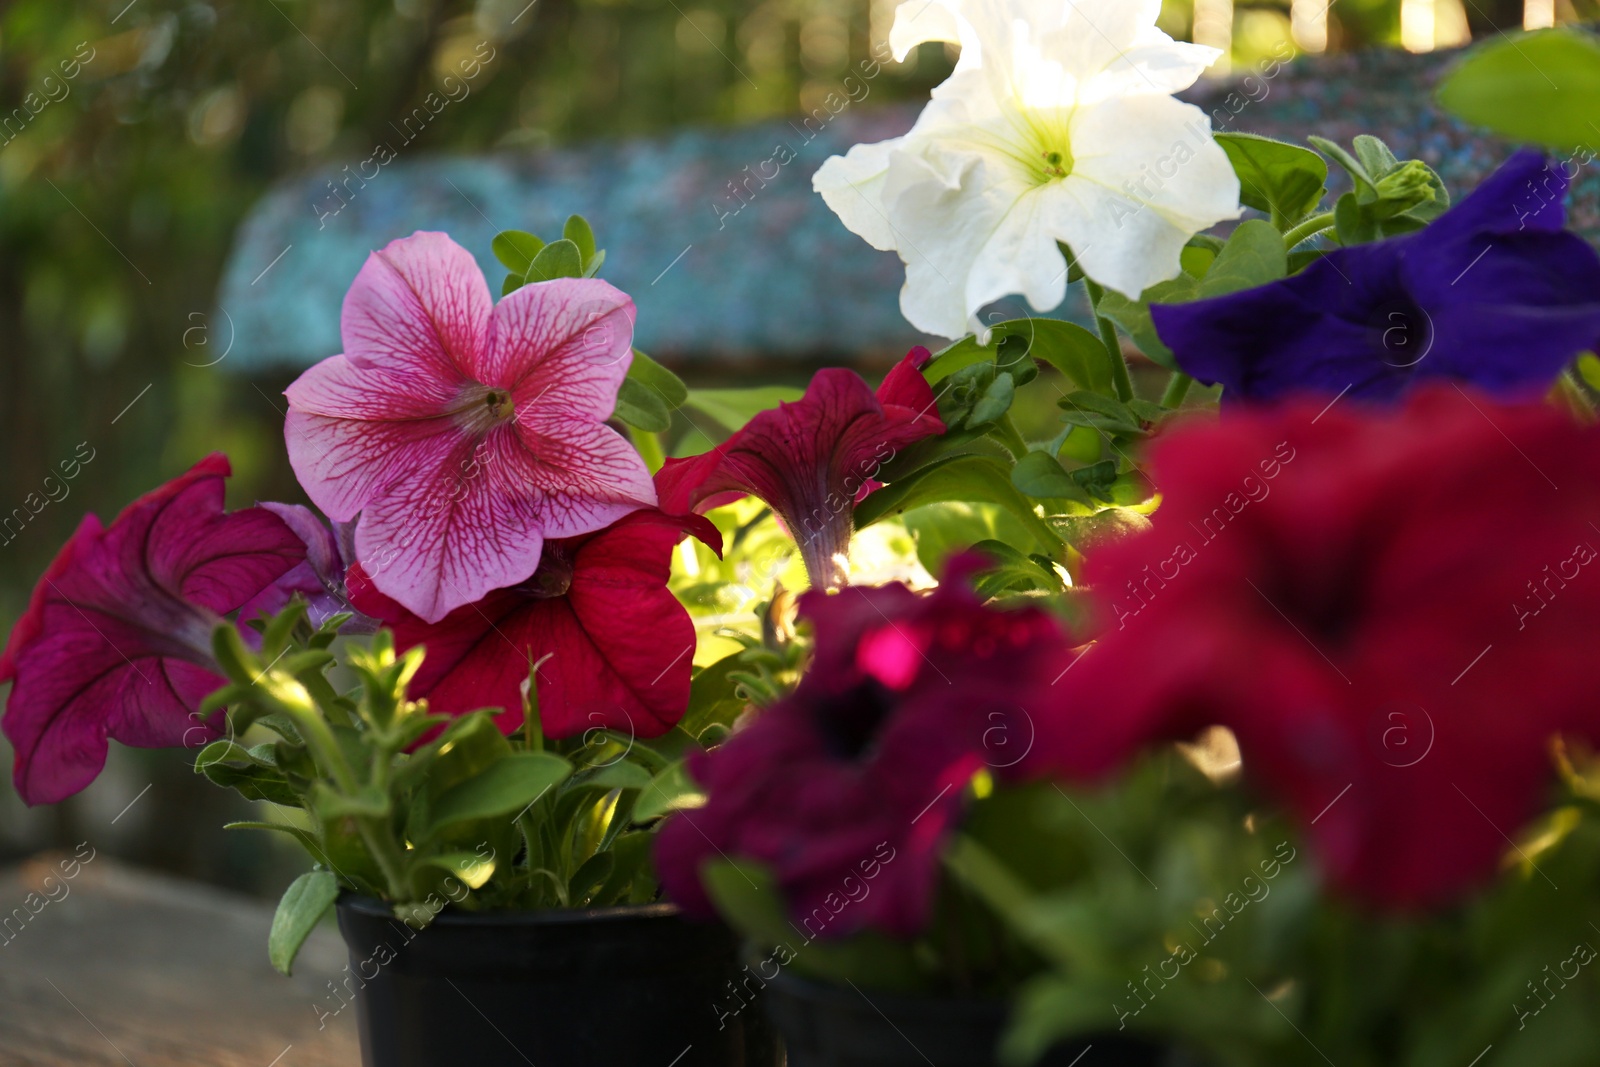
<point>1495,293</point>
<point>116,641</point>
<point>849,789</point>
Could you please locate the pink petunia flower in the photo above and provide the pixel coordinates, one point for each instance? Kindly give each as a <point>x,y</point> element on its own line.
<point>462,432</point>
<point>813,460</point>
<point>116,641</point>
<point>621,646</point>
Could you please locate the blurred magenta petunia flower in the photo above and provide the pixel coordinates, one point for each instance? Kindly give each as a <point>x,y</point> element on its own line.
<point>1393,610</point>
<point>116,640</point>
<point>813,460</point>
<point>621,646</point>
<point>1494,293</point>
<point>464,433</point>
<point>849,788</point>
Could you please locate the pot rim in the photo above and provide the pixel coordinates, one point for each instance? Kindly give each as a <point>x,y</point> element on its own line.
<point>379,909</point>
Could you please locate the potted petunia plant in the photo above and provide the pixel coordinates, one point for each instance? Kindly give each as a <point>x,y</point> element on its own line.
<point>1108,731</point>
<point>464,687</point>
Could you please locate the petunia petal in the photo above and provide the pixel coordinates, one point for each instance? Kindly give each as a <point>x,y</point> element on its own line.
<point>352,432</point>
<point>562,347</point>
<point>852,186</point>
<point>419,310</point>
<point>600,675</point>
<point>1146,177</point>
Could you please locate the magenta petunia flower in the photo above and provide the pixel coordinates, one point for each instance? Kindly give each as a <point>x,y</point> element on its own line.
<point>621,646</point>
<point>464,433</point>
<point>813,460</point>
<point>849,789</point>
<point>116,641</point>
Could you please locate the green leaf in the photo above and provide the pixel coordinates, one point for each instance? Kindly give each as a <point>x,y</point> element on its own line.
<point>505,788</point>
<point>470,867</point>
<point>302,907</point>
<point>1284,179</point>
<point>515,250</point>
<point>1079,355</point>
<point>578,231</point>
<point>972,479</point>
<point>671,790</point>
<point>994,403</point>
<point>732,408</point>
<point>713,696</point>
<point>1039,474</point>
<point>558,259</point>
<point>589,877</point>
<point>1538,87</point>
<point>620,775</point>
<point>1253,256</point>
<point>1098,412</point>
<point>1366,183</point>
<point>641,406</point>
<point>648,372</point>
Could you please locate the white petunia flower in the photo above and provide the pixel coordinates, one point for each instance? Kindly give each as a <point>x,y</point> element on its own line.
<point>1057,125</point>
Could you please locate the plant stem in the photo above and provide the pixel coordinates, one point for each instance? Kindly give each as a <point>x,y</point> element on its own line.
<point>1308,229</point>
<point>375,835</point>
<point>1177,389</point>
<point>1005,431</point>
<point>1108,337</point>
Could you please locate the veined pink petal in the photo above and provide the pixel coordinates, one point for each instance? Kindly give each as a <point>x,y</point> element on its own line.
<point>561,346</point>
<point>419,309</point>
<point>351,433</point>
<point>116,639</point>
<point>589,478</point>
<point>468,520</point>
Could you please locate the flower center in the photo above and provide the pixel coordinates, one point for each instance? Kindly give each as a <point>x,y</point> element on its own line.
<point>850,723</point>
<point>1056,164</point>
<point>481,408</point>
<point>554,575</point>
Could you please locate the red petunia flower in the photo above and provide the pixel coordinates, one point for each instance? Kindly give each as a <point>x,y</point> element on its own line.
<point>116,641</point>
<point>813,460</point>
<point>621,646</point>
<point>849,788</point>
<point>1393,612</point>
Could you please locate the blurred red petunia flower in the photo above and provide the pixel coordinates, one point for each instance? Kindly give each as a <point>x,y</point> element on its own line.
<point>813,460</point>
<point>1394,613</point>
<point>116,640</point>
<point>849,788</point>
<point>621,646</point>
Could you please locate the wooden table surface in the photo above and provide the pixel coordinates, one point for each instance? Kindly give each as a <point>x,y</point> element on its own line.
<point>119,968</point>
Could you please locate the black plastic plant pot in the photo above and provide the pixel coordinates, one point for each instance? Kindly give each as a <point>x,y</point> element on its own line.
<point>612,987</point>
<point>837,1026</point>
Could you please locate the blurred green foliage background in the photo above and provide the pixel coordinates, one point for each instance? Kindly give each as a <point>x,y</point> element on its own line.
<point>135,135</point>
